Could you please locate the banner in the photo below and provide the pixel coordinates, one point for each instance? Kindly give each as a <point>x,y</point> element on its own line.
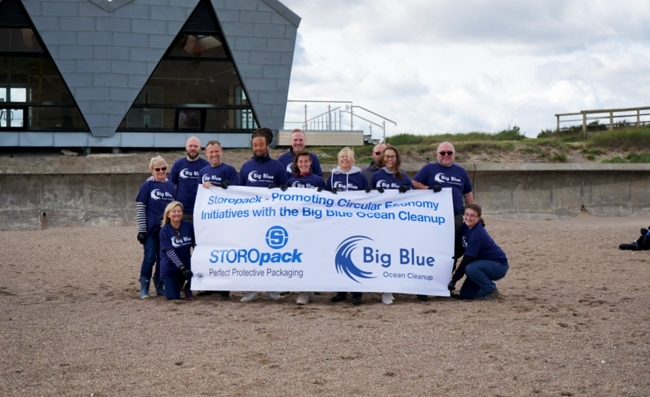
<point>258,239</point>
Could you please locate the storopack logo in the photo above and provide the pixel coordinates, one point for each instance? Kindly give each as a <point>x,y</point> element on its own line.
<point>344,262</point>
<point>276,238</point>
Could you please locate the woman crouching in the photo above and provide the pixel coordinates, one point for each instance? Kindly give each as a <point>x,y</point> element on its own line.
<point>176,243</point>
<point>483,261</point>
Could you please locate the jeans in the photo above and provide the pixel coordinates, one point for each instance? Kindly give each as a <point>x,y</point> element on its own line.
<point>173,285</point>
<point>479,276</point>
<point>151,259</point>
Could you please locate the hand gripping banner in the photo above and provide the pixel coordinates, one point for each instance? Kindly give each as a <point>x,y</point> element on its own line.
<point>258,239</point>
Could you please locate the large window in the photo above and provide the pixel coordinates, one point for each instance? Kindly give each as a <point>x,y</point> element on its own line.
<point>33,95</point>
<point>195,87</point>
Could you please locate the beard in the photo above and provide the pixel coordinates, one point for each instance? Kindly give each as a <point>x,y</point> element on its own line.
<point>193,156</point>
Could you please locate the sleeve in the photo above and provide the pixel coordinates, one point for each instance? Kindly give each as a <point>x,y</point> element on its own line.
<point>173,174</point>
<point>328,183</point>
<point>282,177</point>
<point>460,272</point>
<point>467,186</point>
<point>242,177</point>
<point>321,182</point>
<point>475,242</point>
<point>315,165</point>
<point>142,217</point>
<point>373,180</point>
<point>422,175</point>
<point>410,183</point>
<point>232,176</point>
<point>171,254</point>
<point>363,182</point>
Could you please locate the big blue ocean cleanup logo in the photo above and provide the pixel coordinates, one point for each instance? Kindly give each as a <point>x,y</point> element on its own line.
<point>372,257</point>
<point>276,238</point>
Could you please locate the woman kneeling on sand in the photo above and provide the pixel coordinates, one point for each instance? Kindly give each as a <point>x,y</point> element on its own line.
<point>176,243</point>
<point>483,261</point>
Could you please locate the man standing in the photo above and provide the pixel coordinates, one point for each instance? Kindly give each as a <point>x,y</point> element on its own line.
<point>262,171</point>
<point>447,174</point>
<point>217,173</point>
<point>298,143</point>
<point>376,164</point>
<point>185,175</point>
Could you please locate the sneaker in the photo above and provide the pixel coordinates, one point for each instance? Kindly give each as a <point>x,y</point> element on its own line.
<point>492,295</point>
<point>249,296</point>
<point>225,295</point>
<point>387,298</point>
<point>274,296</point>
<point>303,298</point>
<point>340,297</point>
<point>423,298</point>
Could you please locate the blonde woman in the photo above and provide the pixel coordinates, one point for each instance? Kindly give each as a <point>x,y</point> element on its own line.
<point>176,243</point>
<point>154,195</point>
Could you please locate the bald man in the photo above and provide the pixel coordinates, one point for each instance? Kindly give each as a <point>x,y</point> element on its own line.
<point>185,175</point>
<point>375,164</point>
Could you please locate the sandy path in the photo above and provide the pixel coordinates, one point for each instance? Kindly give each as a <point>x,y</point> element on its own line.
<point>573,320</point>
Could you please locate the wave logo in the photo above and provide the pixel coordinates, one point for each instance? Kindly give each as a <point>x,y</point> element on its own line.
<point>156,194</point>
<point>441,178</point>
<point>277,237</point>
<point>187,174</point>
<point>343,259</point>
<point>254,176</point>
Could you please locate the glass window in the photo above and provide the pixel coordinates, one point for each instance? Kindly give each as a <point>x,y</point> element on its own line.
<point>56,118</point>
<point>19,40</point>
<point>149,119</point>
<point>229,119</point>
<point>177,83</point>
<point>189,119</point>
<point>198,46</point>
<point>36,78</point>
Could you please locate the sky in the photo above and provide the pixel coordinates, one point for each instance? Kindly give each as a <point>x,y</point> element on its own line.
<point>439,66</point>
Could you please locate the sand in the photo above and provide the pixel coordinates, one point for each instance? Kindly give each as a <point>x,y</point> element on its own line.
<point>572,320</point>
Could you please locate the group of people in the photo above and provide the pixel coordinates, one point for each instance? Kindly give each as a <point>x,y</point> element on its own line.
<point>165,209</point>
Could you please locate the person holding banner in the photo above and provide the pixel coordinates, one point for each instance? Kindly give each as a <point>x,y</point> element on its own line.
<point>185,175</point>
<point>346,176</point>
<point>154,195</point>
<point>483,261</point>
<point>304,178</point>
<point>389,177</point>
<point>176,242</point>
<point>262,171</point>
<point>217,173</point>
<point>298,144</point>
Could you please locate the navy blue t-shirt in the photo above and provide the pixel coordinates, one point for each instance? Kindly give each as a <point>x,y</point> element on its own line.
<point>479,244</point>
<point>218,174</point>
<point>454,177</point>
<point>310,181</point>
<point>347,182</point>
<point>387,180</point>
<point>180,244</point>
<point>156,196</point>
<point>287,161</point>
<point>262,172</point>
<point>185,175</point>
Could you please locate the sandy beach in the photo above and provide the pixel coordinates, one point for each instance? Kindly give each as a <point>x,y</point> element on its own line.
<point>573,319</point>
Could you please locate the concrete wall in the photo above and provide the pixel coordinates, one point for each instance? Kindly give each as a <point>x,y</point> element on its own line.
<point>106,196</point>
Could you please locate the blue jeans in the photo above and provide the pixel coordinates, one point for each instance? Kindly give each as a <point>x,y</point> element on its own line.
<point>151,258</point>
<point>173,285</point>
<point>479,276</point>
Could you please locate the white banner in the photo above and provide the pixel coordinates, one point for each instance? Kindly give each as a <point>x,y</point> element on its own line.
<point>257,239</point>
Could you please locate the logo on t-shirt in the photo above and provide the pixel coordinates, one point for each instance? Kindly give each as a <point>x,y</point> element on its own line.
<point>339,185</point>
<point>211,178</point>
<point>188,174</point>
<point>442,178</point>
<point>179,242</point>
<point>256,177</point>
<point>383,184</point>
<point>156,194</point>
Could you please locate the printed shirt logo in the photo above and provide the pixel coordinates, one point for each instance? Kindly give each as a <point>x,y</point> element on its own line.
<point>343,259</point>
<point>256,177</point>
<point>289,170</point>
<point>302,184</point>
<point>211,178</point>
<point>383,184</point>
<point>339,185</point>
<point>156,194</point>
<point>179,242</point>
<point>188,174</point>
<point>441,178</point>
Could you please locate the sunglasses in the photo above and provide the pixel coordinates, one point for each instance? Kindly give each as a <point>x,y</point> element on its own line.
<point>160,169</point>
<point>378,153</point>
<point>448,153</point>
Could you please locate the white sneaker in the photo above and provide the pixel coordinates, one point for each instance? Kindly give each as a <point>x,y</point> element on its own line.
<point>274,295</point>
<point>303,298</point>
<point>387,298</point>
<point>249,296</point>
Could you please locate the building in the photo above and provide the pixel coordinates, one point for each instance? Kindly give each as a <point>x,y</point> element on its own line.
<point>142,73</point>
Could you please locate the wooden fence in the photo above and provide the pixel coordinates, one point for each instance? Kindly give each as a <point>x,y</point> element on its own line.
<point>595,126</point>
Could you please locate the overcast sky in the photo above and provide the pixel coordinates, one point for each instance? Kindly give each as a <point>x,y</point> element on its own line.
<point>436,66</point>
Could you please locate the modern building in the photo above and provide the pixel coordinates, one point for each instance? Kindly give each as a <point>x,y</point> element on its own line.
<point>142,73</point>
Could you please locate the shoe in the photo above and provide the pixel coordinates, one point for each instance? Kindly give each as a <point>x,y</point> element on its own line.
<point>188,292</point>
<point>423,298</point>
<point>356,298</point>
<point>274,296</point>
<point>492,295</point>
<point>249,296</point>
<point>340,297</point>
<point>387,298</point>
<point>303,298</point>
<point>160,286</point>
<point>225,295</point>
<point>144,289</point>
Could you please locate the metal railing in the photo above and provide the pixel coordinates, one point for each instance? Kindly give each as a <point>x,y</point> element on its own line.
<point>332,119</point>
<point>595,126</point>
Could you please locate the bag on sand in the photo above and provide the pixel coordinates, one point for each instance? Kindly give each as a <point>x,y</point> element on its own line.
<point>640,244</point>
